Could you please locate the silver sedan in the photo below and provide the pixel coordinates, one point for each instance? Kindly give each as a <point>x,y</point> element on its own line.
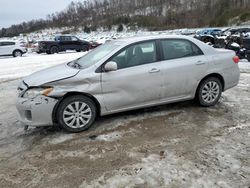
<point>123,75</point>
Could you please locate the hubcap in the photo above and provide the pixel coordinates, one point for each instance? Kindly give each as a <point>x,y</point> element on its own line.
<point>77,114</point>
<point>210,91</point>
<point>18,54</point>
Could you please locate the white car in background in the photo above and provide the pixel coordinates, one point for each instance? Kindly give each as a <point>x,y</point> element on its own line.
<point>16,49</point>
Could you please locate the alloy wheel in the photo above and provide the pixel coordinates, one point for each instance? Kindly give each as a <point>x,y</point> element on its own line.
<point>77,114</point>
<point>210,91</point>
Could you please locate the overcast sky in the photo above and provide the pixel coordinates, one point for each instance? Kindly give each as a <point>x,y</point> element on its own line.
<point>17,11</point>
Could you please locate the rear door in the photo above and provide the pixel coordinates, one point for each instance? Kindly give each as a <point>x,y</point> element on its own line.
<point>137,81</point>
<point>183,66</point>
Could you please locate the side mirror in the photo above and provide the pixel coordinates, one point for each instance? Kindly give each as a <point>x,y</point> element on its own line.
<point>110,66</point>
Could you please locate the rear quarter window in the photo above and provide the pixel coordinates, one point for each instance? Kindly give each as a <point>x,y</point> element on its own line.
<point>7,43</point>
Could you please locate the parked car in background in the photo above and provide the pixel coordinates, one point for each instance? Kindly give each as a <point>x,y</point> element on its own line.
<point>208,35</point>
<point>63,43</point>
<point>213,32</point>
<point>16,49</point>
<point>235,31</point>
<point>126,74</point>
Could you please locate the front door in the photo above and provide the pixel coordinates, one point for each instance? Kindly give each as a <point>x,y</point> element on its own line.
<point>137,81</point>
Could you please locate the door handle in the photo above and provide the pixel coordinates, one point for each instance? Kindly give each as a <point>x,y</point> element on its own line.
<point>154,70</point>
<point>200,63</point>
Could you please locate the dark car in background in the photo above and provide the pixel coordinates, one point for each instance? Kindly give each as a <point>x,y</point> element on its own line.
<point>208,35</point>
<point>239,30</point>
<point>63,43</point>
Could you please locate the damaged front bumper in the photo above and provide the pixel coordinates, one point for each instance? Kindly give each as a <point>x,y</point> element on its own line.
<point>37,111</point>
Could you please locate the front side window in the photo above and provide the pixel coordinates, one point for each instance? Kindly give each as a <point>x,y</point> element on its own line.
<point>138,54</point>
<point>74,39</point>
<point>177,48</point>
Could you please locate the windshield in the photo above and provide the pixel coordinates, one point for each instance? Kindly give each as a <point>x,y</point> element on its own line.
<point>97,54</point>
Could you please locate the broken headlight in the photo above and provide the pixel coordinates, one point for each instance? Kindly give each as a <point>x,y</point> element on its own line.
<point>34,92</point>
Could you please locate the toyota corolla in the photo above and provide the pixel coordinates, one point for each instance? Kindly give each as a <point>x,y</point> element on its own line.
<point>123,75</point>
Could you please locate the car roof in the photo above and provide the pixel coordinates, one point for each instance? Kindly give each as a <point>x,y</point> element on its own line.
<point>151,37</point>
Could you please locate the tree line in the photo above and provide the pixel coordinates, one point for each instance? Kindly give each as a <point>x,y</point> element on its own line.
<point>150,14</point>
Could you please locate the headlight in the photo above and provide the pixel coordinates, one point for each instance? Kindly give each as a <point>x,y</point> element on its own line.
<point>34,92</point>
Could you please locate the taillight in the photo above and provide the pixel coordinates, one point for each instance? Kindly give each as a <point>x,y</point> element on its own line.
<point>236,59</point>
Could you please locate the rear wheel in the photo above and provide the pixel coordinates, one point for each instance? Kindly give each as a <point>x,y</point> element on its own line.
<point>54,50</point>
<point>17,53</point>
<point>209,92</point>
<point>76,113</point>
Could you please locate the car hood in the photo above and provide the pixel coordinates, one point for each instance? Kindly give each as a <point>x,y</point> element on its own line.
<point>52,74</point>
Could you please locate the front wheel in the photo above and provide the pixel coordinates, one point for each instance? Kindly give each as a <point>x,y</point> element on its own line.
<point>209,92</point>
<point>76,113</point>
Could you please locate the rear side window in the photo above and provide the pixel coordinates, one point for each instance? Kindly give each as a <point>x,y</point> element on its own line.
<point>65,38</point>
<point>178,48</point>
<point>7,43</point>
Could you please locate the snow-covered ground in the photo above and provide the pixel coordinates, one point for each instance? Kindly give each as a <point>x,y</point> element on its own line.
<point>176,145</point>
<point>13,68</point>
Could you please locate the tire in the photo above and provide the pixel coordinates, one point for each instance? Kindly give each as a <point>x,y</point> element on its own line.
<point>17,53</point>
<point>209,92</point>
<point>70,119</point>
<point>85,48</point>
<point>54,49</point>
<point>78,50</point>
